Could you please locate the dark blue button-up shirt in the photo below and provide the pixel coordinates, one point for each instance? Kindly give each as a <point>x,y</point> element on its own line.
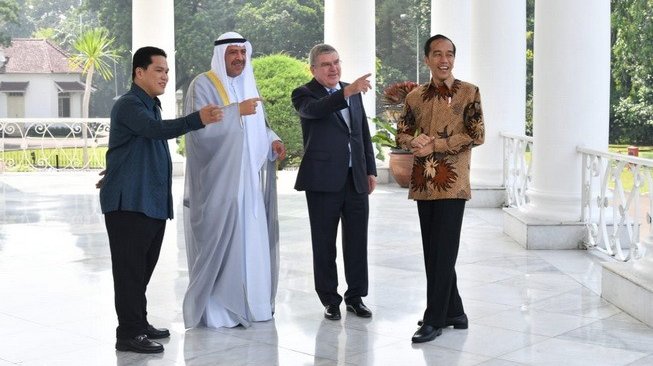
<point>139,169</point>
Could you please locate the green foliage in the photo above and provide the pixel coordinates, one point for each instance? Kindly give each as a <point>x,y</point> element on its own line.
<point>94,52</point>
<point>276,76</point>
<point>384,137</point>
<point>632,123</point>
<point>45,33</point>
<point>8,14</point>
<point>631,91</point>
<point>402,27</point>
<point>386,75</point>
<point>288,26</point>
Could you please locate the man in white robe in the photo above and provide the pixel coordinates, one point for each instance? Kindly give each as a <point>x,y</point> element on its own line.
<point>230,213</point>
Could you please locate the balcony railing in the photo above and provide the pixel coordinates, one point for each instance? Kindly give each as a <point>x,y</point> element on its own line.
<point>516,168</point>
<point>617,202</point>
<point>53,143</point>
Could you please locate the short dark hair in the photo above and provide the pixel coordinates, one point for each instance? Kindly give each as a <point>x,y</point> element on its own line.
<point>427,45</point>
<point>143,58</point>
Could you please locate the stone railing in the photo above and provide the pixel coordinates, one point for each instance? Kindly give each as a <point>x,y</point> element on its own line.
<point>516,168</point>
<point>52,143</point>
<point>616,202</point>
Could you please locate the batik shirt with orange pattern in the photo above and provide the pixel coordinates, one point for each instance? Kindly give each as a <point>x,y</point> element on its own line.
<point>451,113</point>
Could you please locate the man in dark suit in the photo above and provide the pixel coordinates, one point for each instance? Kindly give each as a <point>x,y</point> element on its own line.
<point>338,173</point>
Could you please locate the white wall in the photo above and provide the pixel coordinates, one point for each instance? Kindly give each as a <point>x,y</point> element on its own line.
<point>41,96</point>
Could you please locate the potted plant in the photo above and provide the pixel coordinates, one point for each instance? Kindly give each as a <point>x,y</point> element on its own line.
<point>401,161</point>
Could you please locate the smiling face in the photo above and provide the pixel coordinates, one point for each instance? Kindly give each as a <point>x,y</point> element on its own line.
<point>154,78</point>
<point>326,69</point>
<point>235,58</point>
<point>440,59</point>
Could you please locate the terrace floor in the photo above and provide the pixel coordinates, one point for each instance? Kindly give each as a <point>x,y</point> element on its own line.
<point>525,307</point>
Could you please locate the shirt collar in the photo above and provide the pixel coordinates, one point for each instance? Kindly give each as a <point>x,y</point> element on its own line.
<point>448,82</point>
<point>337,87</point>
<point>142,95</point>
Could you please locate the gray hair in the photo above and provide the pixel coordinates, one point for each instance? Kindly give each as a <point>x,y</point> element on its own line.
<point>317,50</point>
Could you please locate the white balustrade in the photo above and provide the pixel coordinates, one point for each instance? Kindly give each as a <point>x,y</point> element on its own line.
<point>611,209</point>
<point>516,168</point>
<point>52,143</point>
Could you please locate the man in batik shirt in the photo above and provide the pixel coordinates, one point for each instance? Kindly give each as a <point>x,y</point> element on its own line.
<point>441,122</point>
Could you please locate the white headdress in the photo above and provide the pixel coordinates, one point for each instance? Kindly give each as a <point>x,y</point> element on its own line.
<point>244,87</point>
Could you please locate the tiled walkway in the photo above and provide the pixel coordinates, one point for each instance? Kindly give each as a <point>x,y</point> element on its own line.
<point>525,307</point>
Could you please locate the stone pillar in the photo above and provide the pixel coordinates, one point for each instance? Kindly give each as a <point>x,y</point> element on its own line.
<point>155,26</point>
<point>570,109</point>
<point>452,19</point>
<point>498,67</point>
<point>349,26</point>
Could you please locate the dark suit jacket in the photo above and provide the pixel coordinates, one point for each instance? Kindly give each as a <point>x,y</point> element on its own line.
<point>325,164</point>
<point>139,169</point>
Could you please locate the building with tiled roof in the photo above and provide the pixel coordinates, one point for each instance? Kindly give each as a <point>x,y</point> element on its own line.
<point>37,80</point>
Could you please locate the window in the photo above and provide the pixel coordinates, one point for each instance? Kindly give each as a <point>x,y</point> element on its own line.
<point>15,105</point>
<point>64,105</point>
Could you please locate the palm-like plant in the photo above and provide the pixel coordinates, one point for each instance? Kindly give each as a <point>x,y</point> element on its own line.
<point>94,52</point>
<point>393,98</point>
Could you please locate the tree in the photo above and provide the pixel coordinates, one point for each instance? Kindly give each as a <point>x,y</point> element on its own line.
<point>281,26</point>
<point>8,14</point>
<point>94,51</point>
<point>276,77</point>
<point>631,115</point>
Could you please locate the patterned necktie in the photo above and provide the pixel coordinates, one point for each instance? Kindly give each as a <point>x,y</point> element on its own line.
<point>331,91</point>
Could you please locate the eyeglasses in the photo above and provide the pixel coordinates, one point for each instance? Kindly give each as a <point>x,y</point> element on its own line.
<point>327,65</point>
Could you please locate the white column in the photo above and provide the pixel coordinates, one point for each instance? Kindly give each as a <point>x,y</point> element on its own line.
<point>498,67</point>
<point>153,24</point>
<point>452,19</point>
<point>349,26</point>
<point>571,82</point>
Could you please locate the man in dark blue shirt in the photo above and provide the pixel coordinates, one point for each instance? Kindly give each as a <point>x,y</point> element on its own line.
<point>136,196</point>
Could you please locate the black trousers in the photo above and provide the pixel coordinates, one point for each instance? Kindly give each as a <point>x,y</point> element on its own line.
<point>325,210</point>
<point>135,241</point>
<point>440,223</point>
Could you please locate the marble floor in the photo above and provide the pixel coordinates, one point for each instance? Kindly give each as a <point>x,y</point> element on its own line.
<point>525,307</point>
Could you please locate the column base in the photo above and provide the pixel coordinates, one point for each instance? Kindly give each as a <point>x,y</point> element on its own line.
<point>178,167</point>
<point>487,197</point>
<point>533,233</point>
<point>383,175</point>
<point>629,289</point>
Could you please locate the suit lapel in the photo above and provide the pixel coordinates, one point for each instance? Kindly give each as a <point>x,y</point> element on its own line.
<point>321,92</point>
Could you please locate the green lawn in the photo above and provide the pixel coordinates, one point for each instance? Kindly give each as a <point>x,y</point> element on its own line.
<point>627,177</point>
<point>63,158</point>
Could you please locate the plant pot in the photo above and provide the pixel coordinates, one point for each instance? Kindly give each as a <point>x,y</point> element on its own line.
<point>401,167</point>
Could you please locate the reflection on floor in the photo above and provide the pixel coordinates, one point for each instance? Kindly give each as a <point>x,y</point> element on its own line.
<point>525,307</point>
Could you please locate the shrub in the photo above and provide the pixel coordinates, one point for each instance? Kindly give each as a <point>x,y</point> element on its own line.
<point>277,76</point>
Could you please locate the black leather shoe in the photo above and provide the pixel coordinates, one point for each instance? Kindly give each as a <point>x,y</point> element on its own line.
<point>426,333</point>
<point>154,333</point>
<point>332,312</point>
<point>139,344</point>
<point>360,310</point>
<point>458,322</point>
